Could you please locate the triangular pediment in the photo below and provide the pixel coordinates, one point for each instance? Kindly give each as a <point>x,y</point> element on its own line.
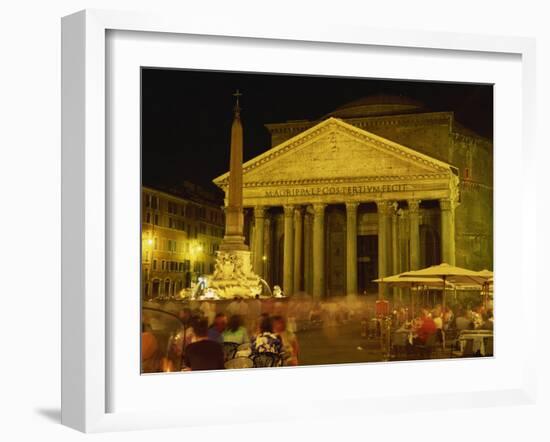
<point>332,150</point>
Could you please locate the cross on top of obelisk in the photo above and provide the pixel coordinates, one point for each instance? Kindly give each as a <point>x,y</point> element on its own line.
<point>237,94</point>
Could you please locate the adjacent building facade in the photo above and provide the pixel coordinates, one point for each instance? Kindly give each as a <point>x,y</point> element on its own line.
<point>377,187</point>
<point>181,232</point>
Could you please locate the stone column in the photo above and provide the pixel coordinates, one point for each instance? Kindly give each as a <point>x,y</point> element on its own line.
<point>414,234</point>
<point>288,252</point>
<point>259,220</point>
<point>308,279</point>
<point>447,207</point>
<point>351,248</point>
<point>384,208</point>
<point>268,252</point>
<point>319,250</point>
<point>395,248</point>
<point>298,226</point>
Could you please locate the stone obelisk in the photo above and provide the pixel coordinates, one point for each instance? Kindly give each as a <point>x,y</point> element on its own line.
<point>234,219</point>
<point>233,275</point>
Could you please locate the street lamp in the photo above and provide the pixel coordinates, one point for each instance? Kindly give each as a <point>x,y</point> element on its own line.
<point>195,249</point>
<point>264,259</point>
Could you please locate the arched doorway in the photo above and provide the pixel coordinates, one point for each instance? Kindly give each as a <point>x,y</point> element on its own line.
<point>167,287</point>
<point>155,288</point>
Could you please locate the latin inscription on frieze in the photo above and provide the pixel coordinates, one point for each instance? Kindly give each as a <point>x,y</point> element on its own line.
<point>338,190</point>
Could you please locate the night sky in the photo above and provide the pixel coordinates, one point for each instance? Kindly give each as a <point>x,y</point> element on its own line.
<point>187,115</point>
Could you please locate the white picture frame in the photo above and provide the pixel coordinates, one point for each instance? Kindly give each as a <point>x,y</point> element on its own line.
<point>85,213</point>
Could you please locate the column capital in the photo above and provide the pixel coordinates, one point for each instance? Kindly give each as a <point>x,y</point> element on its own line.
<point>289,210</point>
<point>298,212</point>
<point>384,207</point>
<point>414,205</point>
<point>447,204</point>
<point>259,211</point>
<point>319,208</point>
<point>351,206</point>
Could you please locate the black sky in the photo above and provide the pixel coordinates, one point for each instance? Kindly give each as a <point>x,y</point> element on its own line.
<point>187,115</point>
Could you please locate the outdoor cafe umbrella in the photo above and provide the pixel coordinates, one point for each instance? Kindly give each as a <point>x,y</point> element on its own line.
<point>486,274</point>
<point>413,282</point>
<point>449,273</point>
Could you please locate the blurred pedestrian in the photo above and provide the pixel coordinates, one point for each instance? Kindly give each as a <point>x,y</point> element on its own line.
<point>288,339</point>
<point>215,332</point>
<point>235,331</point>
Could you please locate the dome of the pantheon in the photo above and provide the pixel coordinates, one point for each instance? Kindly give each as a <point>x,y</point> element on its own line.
<point>377,105</point>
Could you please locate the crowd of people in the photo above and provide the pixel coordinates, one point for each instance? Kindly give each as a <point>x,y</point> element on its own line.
<point>432,325</point>
<point>255,325</point>
<point>270,326</point>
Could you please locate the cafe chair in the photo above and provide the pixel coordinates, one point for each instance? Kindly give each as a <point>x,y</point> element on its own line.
<point>424,351</point>
<point>467,349</point>
<point>229,350</point>
<point>241,362</point>
<point>265,359</point>
<point>399,344</point>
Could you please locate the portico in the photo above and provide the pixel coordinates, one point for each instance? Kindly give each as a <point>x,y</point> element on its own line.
<point>336,206</point>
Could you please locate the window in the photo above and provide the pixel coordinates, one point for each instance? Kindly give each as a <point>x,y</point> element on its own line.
<point>170,223</point>
<point>172,245</point>
<point>155,243</point>
<point>163,267</point>
<point>173,208</point>
<point>147,200</point>
<point>154,264</point>
<point>148,218</point>
<point>155,202</point>
<point>156,220</point>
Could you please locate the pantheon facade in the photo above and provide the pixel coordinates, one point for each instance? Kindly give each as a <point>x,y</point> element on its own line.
<point>379,186</point>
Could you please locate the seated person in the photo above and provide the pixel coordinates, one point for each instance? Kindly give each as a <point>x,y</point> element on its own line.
<point>203,353</point>
<point>426,328</point>
<point>235,331</point>
<point>215,332</point>
<point>266,340</point>
<point>150,355</point>
<point>463,321</point>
